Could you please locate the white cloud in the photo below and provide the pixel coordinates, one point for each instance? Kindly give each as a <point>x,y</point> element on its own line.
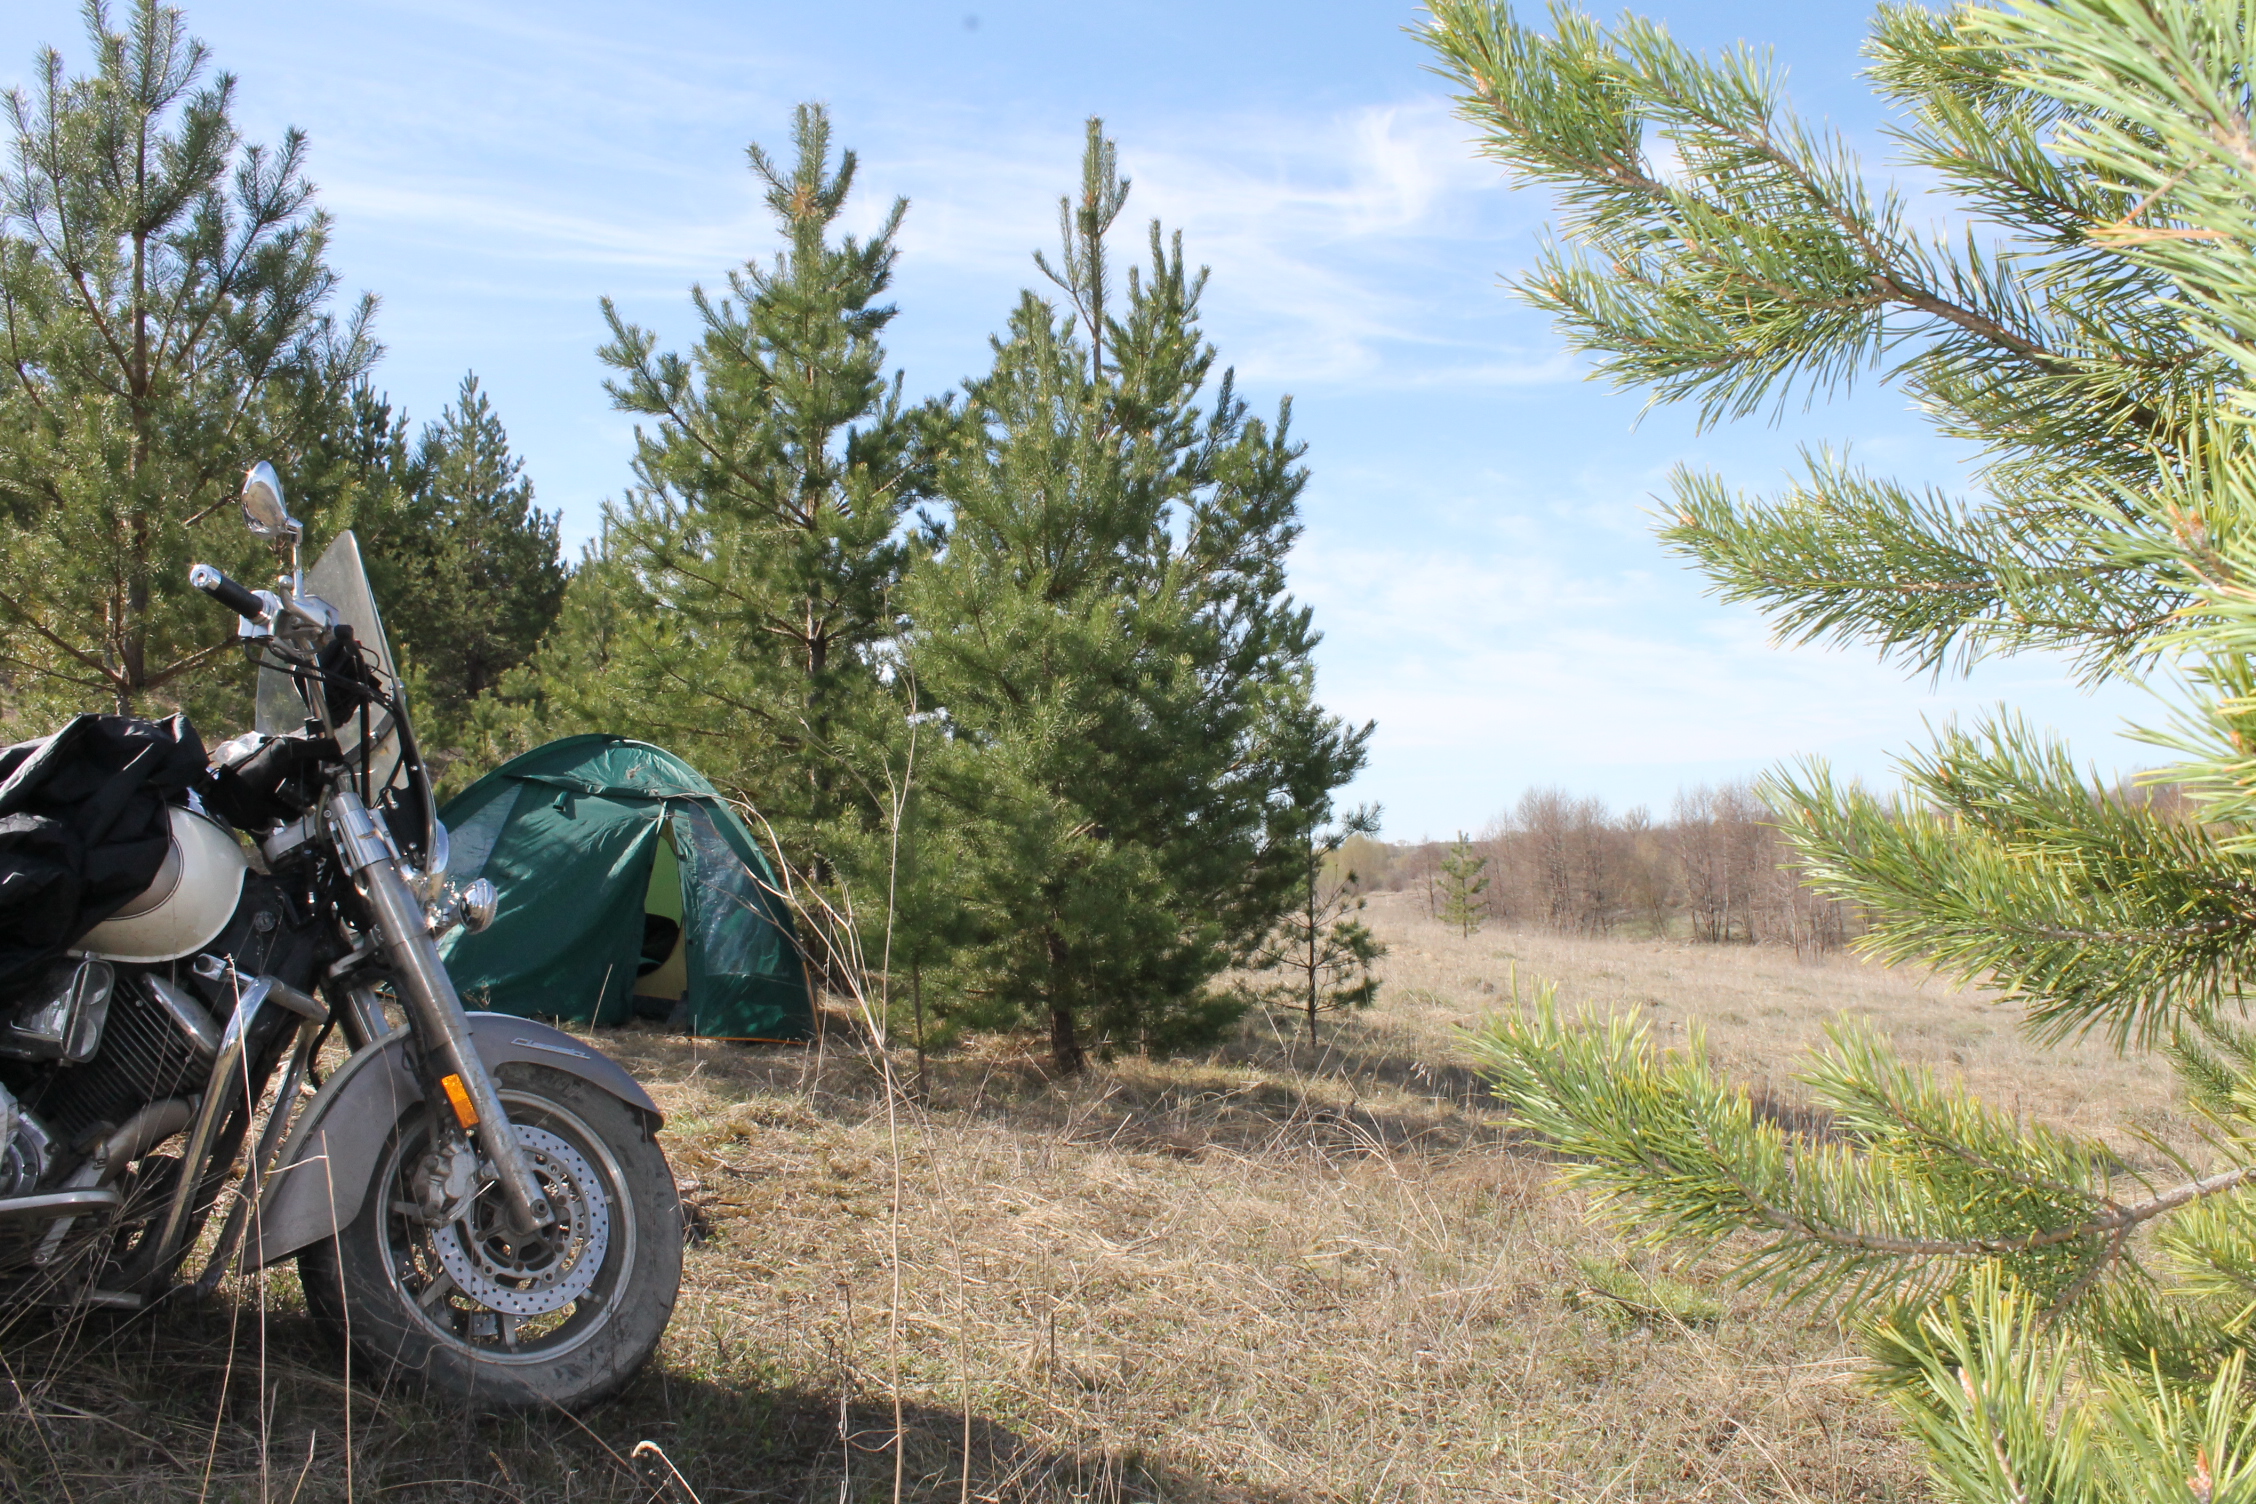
<point>1489,670</point>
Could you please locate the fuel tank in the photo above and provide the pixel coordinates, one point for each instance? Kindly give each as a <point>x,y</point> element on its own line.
<point>188,904</point>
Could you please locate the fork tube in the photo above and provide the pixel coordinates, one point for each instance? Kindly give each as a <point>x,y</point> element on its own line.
<point>433,1007</point>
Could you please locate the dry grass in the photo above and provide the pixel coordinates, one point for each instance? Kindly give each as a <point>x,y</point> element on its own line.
<point>1764,1011</point>
<point>1262,1275</point>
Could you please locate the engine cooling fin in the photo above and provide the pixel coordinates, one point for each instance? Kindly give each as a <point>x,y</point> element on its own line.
<point>146,1055</point>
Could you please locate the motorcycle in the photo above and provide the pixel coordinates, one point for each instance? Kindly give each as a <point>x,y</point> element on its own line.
<point>473,1197</point>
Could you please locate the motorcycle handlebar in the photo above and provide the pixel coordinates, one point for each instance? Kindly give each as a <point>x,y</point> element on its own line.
<point>225,591</point>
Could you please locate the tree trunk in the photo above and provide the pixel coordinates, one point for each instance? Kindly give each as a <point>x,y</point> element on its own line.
<point>1065,1049</point>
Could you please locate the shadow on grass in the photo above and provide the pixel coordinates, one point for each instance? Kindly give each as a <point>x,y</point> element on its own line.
<point>239,1398</point>
<point>217,1402</point>
<point>1344,1096</point>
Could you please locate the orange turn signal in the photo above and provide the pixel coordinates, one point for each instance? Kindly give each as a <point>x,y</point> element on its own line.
<point>459,1095</point>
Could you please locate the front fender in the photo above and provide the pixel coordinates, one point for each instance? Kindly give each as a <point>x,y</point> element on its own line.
<point>322,1174</point>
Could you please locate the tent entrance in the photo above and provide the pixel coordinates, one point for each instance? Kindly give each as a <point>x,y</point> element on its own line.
<point>662,978</point>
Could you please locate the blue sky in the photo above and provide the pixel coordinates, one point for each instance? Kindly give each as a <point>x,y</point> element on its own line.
<point>1477,548</point>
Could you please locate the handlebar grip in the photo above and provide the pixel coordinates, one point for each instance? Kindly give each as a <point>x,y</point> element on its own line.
<point>225,591</point>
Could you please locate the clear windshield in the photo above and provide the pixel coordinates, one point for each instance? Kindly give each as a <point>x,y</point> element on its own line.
<point>340,582</point>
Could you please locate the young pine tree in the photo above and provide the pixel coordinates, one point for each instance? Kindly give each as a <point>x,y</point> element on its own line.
<point>475,573</point>
<point>163,303</point>
<point>1463,902</point>
<point>1134,750</point>
<point>763,539</point>
<point>2053,1325</point>
<point>571,683</point>
<point>1325,953</point>
<point>467,569</point>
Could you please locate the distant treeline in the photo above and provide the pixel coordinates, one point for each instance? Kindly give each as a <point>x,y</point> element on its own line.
<point>1715,871</point>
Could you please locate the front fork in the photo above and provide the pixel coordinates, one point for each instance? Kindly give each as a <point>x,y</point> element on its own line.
<point>434,1009</point>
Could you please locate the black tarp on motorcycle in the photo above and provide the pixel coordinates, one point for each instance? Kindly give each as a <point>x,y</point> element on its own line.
<point>83,827</point>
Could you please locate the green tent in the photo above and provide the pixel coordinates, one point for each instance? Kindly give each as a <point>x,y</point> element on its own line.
<point>627,886</point>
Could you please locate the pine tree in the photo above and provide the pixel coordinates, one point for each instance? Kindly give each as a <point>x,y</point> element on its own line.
<point>572,683</point>
<point>163,297</point>
<point>477,576</point>
<point>765,533</point>
<point>1325,952</point>
<point>2052,1326</point>
<point>1464,882</point>
<point>1134,751</point>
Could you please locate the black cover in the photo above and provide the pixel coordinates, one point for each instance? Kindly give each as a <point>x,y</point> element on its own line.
<point>82,827</point>
<point>256,781</point>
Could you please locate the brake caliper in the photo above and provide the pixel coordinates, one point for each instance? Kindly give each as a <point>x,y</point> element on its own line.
<point>447,1182</point>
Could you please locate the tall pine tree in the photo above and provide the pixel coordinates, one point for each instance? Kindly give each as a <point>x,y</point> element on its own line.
<point>1134,750</point>
<point>164,309</point>
<point>764,535</point>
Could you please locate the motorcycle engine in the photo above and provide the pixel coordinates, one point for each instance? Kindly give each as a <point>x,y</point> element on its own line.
<point>147,1041</point>
<point>86,1045</point>
<point>59,1019</point>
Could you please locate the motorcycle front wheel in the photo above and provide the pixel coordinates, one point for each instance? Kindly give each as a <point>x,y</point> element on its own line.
<point>562,1319</point>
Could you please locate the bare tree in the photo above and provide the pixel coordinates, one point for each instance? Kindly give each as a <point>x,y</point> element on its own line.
<point>1559,859</point>
<point>1723,854</point>
<point>1793,912</point>
<point>1565,863</point>
<point>1647,884</point>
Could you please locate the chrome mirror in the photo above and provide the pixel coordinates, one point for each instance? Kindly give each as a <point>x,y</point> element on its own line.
<point>263,509</point>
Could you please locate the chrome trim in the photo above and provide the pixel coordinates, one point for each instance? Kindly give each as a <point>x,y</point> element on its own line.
<point>284,839</point>
<point>366,1011</point>
<point>253,1189</point>
<point>194,1019</point>
<point>219,1096</point>
<point>304,1005</point>
<point>69,1203</point>
<point>553,1049</point>
<point>368,946</point>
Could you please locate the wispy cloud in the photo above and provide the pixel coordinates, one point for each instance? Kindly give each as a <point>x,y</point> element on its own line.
<point>1349,246</point>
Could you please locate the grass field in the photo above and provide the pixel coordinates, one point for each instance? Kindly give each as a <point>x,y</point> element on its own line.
<point>1269,1274</point>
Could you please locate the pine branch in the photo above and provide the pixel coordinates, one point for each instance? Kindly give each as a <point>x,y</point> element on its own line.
<point>1846,557</point>
<point>2008,868</point>
<point>1930,1185</point>
<point>110,679</point>
<point>1764,263</point>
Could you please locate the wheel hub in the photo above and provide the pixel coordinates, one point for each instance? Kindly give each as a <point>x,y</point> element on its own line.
<point>531,1276</point>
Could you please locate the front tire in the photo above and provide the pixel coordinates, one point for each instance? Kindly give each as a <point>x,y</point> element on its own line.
<point>563,1320</point>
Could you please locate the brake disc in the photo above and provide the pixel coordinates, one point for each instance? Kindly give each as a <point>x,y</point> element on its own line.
<point>548,1271</point>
